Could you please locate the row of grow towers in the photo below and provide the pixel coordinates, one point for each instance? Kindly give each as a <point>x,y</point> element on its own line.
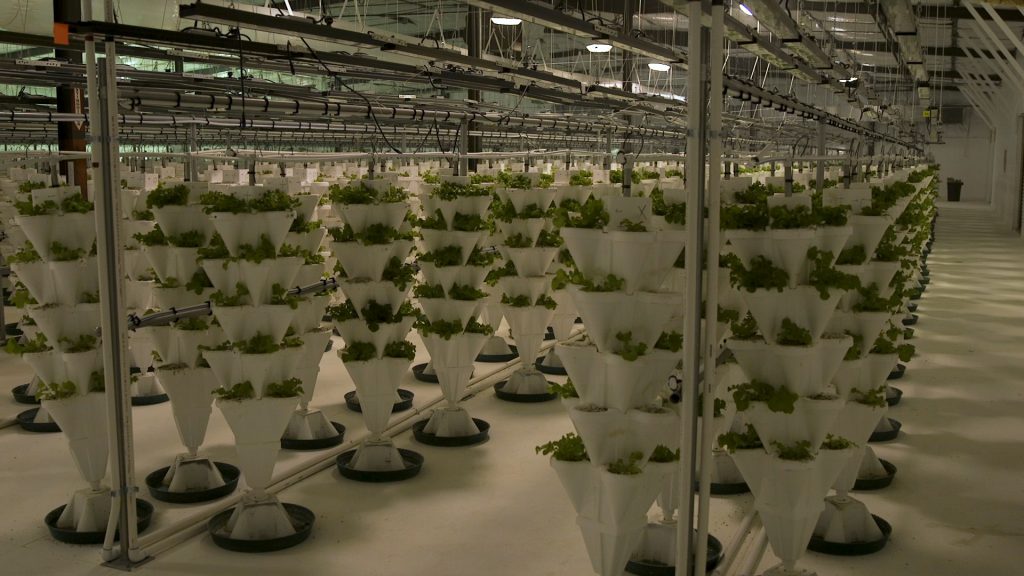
<point>562,251</point>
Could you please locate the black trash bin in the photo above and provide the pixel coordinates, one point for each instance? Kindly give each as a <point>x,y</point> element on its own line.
<point>953,187</point>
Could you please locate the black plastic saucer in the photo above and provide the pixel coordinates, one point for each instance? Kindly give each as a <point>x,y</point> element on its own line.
<point>317,443</point>
<point>908,333</point>
<point>916,294</point>
<point>143,516</point>
<point>149,400</point>
<point>155,483</point>
<point>550,370</point>
<point>352,401</point>
<point>654,568</point>
<point>25,420</point>
<point>417,373</point>
<point>499,358</point>
<point>868,484</point>
<point>925,279</point>
<point>888,435</point>
<point>729,489</point>
<point>413,465</point>
<point>451,441</point>
<point>896,396</point>
<point>330,346</point>
<point>897,372</point>
<point>12,330</point>
<point>911,321</point>
<point>21,397</point>
<point>302,521</point>
<point>521,398</point>
<point>823,546</point>
<point>912,306</point>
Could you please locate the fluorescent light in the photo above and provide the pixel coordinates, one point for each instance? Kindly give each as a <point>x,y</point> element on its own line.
<point>745,10</point>
<point>659,66</point>
<point>599,47</point>
<point>288,5</point>
<point>506,21</point>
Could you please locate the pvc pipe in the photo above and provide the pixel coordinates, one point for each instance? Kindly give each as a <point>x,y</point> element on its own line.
<point>753,558</point>
<point>731,551</point>
<point>157,541</point>
<point>710,341</point>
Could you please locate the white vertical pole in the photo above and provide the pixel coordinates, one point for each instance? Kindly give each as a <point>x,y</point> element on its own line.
<point>710,341</point>
<point>695,103</point>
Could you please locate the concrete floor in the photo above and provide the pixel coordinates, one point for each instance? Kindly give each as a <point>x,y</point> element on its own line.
<point>497,508</point>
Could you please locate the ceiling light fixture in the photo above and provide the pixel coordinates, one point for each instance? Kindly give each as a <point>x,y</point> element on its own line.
<point>659,66</point>
<point>599,47</point>
<point>506,21</point>
<point>745,10</point>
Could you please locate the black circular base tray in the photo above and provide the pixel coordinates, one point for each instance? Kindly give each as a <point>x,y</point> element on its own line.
<point>12,330</point>
<point>550,370</point>
<point>888,435</point>
<point>912,306</point>
<point>134,370</point>
<point>911,321</point>
<point>895,398</point>
<point>908,333</point>
<point>578,320</point>
<point>317,443</point>
<point>916,294</point>
<point>25,420</point>
<point>302,520</point>
<point>522,398</point>
<point>143,515</point>
<point>653,568</point>
<point>897,372</point>
<point>417,373</point>
<point>149,400</point>
<point>550,334</point>
<point>867,484</point>
<point>330,346</point>
<point>499,358</point>
<point>20,397</point>
<point>413,465</point>
<point>352,401</point>
<point>155,479</point>
<point>925,279</point>
<point>724,489</point>
<point>451,441</point>
<point>823,546</point>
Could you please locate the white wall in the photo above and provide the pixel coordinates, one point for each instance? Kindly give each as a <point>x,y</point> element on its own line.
<point>966,154</point>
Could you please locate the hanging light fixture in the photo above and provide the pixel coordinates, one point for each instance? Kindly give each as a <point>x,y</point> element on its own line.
<point>506,21</point>
<point>599,47</point>
<point>659,66</point>
<point>745,10</point>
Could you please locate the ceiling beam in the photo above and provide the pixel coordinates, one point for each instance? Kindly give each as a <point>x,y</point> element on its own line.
<point>924,11</point>
<point>885,47</point>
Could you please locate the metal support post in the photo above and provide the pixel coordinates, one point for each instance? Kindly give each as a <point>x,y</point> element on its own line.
<point>474,45</point>
<point>692,350</point>
<point>463,166</point>
<point>711,337</point>
<point>819,169</point>
<point>192,170</point>
<point>104,125</point>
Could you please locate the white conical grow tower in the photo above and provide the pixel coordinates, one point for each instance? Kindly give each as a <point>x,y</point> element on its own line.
<point>786,275</point>
<point>256,365</point>
<point>374,321</point>
<point>66,258</point>
<point>521,214</point>
<point>308,428</point>
<point>845,526</point>
<point>453,269</point>
<point>59,270</point>
<point>189,382</point>
<point>618,374</point>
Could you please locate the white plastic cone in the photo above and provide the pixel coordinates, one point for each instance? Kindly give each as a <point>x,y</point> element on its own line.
<point>257,425</point>
<point>191,394</point>
<point>83,420</point>
<point>376,382</point>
